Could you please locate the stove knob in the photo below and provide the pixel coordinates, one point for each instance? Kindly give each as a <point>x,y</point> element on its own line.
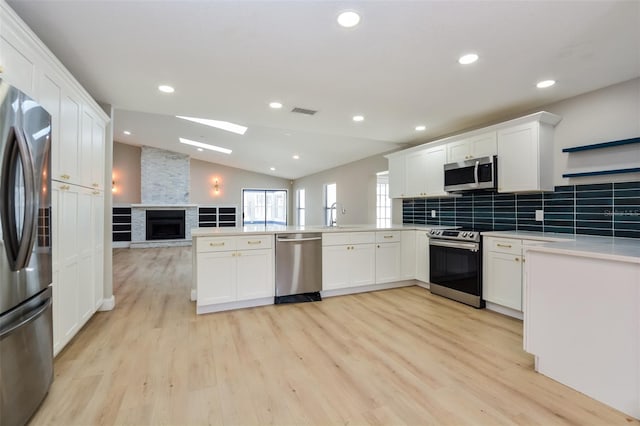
<point>464,234</point>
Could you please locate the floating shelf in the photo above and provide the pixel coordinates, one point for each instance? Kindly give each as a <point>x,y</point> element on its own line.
<point>602,172</point>
<point>602,145</point>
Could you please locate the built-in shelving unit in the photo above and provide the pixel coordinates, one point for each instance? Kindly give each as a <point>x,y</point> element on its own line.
<point>216,216</point>
<point>121,230</point>
<point>602,145</point>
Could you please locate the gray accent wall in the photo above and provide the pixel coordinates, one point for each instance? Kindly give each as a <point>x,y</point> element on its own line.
<point>164,177</point>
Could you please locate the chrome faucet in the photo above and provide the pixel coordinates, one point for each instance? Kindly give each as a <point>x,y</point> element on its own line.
<point>334,208</point>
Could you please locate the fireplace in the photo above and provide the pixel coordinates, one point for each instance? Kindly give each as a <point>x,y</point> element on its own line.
<point>165,224</point>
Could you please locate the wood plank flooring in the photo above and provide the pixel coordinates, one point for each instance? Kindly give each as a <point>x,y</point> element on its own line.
<point>392,357</point>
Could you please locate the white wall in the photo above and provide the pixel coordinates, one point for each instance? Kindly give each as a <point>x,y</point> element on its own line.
<point>355,191</point>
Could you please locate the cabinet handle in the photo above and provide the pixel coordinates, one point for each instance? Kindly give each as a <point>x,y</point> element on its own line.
<point>378,245</point>
<point>65,177</point>
<point>254,242</point>
<point>216,244</point>
<point>504,245</point>
<point>517,259</point>
<point>523,260</point>
<point>95,185</point>
<point>388,236</point>
<point>65,188</point>
<point>96,192</point>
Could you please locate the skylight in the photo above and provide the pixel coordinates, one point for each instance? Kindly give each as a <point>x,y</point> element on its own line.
<point>205,146</point>
<point>222,125</point>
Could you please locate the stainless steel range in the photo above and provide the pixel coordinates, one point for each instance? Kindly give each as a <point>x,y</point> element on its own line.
<point>455,265</point>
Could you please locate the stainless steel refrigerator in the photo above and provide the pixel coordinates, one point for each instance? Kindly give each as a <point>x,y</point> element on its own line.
<point>26,337</point>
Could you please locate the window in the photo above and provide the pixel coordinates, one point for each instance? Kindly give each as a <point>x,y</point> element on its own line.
<point>301,205</point>
<point>329,200</point>
<point>383,202</point>
<point>264,207</point>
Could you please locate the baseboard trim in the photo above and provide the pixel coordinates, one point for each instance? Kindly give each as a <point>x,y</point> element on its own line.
<point>108,304</point>
<point>367,288</point>
<point>218,307</point>
<point>504,310</point>
<point>194,295</point>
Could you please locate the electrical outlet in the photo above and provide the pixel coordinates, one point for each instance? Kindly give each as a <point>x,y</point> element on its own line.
<point>539,215</point>
<point>433,213</point>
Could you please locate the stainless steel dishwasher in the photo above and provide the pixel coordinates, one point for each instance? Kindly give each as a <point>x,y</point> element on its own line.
<point>298,267</point>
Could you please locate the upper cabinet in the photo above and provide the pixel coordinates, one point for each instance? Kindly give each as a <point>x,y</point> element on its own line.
<point>483,145</point>
<point>525,156</point>
<point>417,173</point>
<point>524,147</point>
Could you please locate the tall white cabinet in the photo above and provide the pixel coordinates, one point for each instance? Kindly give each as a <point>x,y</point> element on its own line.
<point>77,171</point>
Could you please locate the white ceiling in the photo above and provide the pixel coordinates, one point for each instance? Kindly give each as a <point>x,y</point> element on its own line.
<point>398,68</point>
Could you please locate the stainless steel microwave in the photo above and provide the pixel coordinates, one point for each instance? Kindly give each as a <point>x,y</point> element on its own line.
<point>469,175</point>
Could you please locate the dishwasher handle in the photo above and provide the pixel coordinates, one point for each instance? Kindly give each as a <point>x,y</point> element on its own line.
<point>292,240</point>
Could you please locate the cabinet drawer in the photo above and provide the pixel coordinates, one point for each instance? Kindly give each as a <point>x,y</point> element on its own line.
<point>501,245</point>
<point>363,238</point>
<point>209,244</point>
<point>388,237</point>
<point>336,238</point>
<point>255,242</point>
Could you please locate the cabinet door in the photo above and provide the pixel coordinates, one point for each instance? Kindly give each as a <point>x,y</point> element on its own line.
<point>84,158</point>
<point>434,169</point>
<point>408,255</point>
<point>504,280</point>
<point>484,145</point>
<point>68,261</point>
<point>255,274</point>
<point>518,158</point>
<point>361,264</point>
<point>216,277</point>
<point>416,174</point>
<point>396,177</point>
<point>335,266</point>
<point>458,151</point>
<point>422,256</point>
<point>55,278</point>
<point>17,61</point>
<point>97,224</point>
<point>86,275</point>
<point>97,155</point>
<point>388,262</point>
<point>69,140</point>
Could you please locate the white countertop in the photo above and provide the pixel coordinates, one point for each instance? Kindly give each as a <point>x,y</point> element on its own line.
<point>277,229</point>
<point>596,247</point>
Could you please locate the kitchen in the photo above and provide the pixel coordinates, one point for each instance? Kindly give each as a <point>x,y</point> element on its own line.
<point>601,114</point>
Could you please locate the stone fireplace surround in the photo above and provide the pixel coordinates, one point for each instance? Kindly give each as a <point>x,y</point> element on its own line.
<point>139,231</point>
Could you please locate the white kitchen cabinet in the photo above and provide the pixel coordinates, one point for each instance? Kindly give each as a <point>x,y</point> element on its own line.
<point>416,173</point>
<point>17,59</point>
<point>69,144</point>
<point>388,256</point>
<point>397,176</point>
<point>232,270</point>
<point>407,254</point>
<point>422,256</point>
<point>98,155</point>
<point>525,157</point>
<point>86,288</point>
<point>483,145</point>
<point>435,160</point>
<point>504,285</point>
<point>97,226</point>
<point>348,259</point>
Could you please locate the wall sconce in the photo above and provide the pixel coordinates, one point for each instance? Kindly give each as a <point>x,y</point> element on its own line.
<point>216,186</point>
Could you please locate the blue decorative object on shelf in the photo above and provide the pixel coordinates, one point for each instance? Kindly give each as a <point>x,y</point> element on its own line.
<point>602,172</point>
<point>602,145</point>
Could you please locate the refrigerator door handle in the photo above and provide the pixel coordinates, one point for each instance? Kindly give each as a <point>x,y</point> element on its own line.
<point>19,247</point>
<point>39,310</point>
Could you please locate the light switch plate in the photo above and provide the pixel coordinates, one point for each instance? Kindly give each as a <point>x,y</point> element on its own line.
<point>433,213</point>
<point>540,215</point>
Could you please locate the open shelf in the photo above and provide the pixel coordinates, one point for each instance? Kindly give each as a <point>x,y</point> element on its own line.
<point>602,145</point>
<point>602,172</point>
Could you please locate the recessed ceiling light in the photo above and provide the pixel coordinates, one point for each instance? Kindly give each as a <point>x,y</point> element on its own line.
<point>421,128</point>
<point>273,169</point>
<point>126,132</point>
<point>358,118</point>
<point>296,157</point>
<point>200,149</point>
<point>166,89</point>
<point>275,105</point>
<point>222,125</point>
<point>545,83</point>
<point>468,59</point>
<point>348,19</point>
<point>205,146</point>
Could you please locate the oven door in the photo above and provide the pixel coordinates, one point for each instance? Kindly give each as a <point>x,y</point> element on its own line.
<point>456,266</point>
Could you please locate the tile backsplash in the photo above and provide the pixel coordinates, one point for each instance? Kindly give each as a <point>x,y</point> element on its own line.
<point>610,209</point>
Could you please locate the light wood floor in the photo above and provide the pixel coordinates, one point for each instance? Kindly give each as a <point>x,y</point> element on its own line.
<point>392,357</point>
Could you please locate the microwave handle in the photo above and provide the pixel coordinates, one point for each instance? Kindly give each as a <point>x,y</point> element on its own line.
<point>475,172</point>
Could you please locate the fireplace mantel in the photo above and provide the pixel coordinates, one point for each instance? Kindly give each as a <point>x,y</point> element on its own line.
<point>163,206</point>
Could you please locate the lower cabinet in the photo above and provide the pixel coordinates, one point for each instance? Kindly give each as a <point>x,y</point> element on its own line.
<point>422,256</point>
<point>407,254</point>
<point>233,269</point>
<point>388,256</point>
<point>348,260</point>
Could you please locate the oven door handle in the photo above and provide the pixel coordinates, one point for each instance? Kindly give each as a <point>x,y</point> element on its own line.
<point>461,245</point>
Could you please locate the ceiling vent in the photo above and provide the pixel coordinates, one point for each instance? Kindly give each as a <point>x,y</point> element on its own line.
<point>303,111</point>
